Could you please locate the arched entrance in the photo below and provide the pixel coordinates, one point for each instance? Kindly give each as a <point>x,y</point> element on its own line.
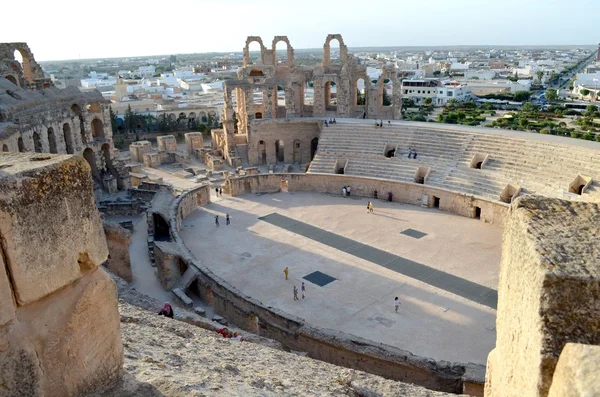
<point>262,152</point>
<point>161,228</point>
<point>20,145</point>
<point>329,90</point>
<point>314,144</point>
<point>4,148</point>
<point>297,156</point>
<point>52,140</point>
<point>97,128</point>
<point>90,157</point>
<point>361,93</point>
<point>37,142</point>
<point>68,138</point>
<point>279,155</point>
<point>11,79</point>
<point>77,111</point>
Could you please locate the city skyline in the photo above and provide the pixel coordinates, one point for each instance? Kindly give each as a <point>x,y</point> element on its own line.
<point>147,28</point>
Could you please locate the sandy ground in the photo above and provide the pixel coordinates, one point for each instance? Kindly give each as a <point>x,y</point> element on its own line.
<point>165,357</point>
<point>251,255</point>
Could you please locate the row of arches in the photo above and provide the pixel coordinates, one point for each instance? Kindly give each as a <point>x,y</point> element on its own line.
<point>283,53</point>
<point>280,151</point>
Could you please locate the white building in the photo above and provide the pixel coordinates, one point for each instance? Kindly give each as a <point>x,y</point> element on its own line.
<point>439,92</point>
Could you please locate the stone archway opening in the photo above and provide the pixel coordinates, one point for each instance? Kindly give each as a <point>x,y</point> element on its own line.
<point>279,151</point>
<point>37,142</point>
<point>314,145</point>
<point>20,145</point>
<point>12,79</point>
<point>280,95</point>
<point>52,140</point>
<point>360,92</point>
<point>280,53</point>
<point>385,92</point>
<point>309,93</point>
<point>77,112</point>
<point>4,148</point>
<point>262,152</point>
<point>161,228</point>
<point>334,51</point>
<point>255,53</point>
<point>97,129</point>
<point>90,157</point>
<point>256,73</point>
<point>330,92</point>
<point>68,138</point>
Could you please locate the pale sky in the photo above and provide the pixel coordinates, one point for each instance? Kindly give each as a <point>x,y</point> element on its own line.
<point>72,29</point>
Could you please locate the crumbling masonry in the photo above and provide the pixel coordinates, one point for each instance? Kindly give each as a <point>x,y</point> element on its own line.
<point>35,116</point>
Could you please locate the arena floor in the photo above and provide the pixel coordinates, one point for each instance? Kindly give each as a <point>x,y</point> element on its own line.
<point>454,260</point>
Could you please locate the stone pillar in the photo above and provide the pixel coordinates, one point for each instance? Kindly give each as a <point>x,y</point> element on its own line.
<point>290,110</point>
<point>267,102</point>
<point>548,292</point>
<point>166,143</point>
<point>193,140</point>
<point>319,98</point>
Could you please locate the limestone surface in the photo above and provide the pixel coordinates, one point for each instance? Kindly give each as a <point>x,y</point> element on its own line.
<point>577,372</point>
<point>118,239</point>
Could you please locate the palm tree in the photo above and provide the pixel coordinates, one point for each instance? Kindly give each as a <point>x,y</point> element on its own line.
<point>539,74</point>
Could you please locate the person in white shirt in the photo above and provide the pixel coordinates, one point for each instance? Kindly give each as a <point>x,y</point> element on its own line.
<point>396,304</point>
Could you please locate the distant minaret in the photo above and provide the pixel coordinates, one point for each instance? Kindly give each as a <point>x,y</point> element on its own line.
<point>598,54</point>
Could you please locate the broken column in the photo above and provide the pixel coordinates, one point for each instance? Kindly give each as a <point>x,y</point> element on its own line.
<point>59,321</point>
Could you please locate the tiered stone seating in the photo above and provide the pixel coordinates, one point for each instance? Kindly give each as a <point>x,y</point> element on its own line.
<point>524,159</point>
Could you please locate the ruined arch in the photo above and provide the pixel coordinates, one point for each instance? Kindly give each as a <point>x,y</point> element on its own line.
<point>52,140</point>
<point>12,79</point>
<point>262,152</point>
<point>4,148</point>
<point>385,98</point>
<point>290,50</point>
<point>94,108</point>
<point>330,95</point>
<point>360,91</point>
<point>279,151</point>
<point>172,117</point>
<point>161,228</point>
<point>309,93</point>
<point>97,128</point>
<point>327,49</point>
<point>314,145</point>
<point>252,39</point>
<point>108,161</point>
<point>37,142</point>
<point>76,109</point>
<point>90,157</point>
<point>256,73</point>
<point>20,145</point>
<point>68,138</point>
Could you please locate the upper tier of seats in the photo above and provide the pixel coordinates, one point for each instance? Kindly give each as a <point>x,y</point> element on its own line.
<point>535,163</point>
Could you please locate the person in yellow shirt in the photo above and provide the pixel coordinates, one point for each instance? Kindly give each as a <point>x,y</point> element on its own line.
<point>371,208</point>
<point>286,271</point>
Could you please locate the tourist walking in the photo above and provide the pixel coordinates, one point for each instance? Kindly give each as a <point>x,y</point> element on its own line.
<point>286,271</point>
<point>221,191</point>
<point>295,293</point>
<point>364,115</point>
<point>217,220</point>
<point>344,191</point>
<point>348,191</point>
<point>370,207</point>
<point>303,289</point>
<point>227,222</point>
<point>396,304</point>
<point>217,191</point>
<point>166,310</point>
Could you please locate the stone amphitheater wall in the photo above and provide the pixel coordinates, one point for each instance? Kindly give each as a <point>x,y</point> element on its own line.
<point>410,193</point>
<point>323,344</point>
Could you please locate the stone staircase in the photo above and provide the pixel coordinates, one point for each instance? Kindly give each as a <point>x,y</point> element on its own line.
<point>537,166</point>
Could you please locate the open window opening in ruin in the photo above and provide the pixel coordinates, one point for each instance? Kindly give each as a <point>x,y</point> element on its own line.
<point>256,73</point>
<point>308,97</point>
<point>579,184</point>
<point>314,145</point>
<point>94,108</point>
<point>258,115</point>
<point>11,79</point>
<point>68,138</point>
<point>192,120</point>
<point>4,148</point>
<point>37,142</point>
<point>421,175</point>
<point>52,140</point>
<point>172,117</point>
<point>340,166</point>
<point>90,157</point>
<point>108,163</point>
<point>20,145</point>
<point>281,53</point>
<point>281,109</point>
<point>19,58</point>
<point>161,228</point>
<point>77,112</point>
<point>262,152</point>
<point>436,202</point>
<point>279,152</point>
<point>509,192</point>
<point>97,129</point>
<point>247,187</point>
<point>202,117</point>
<point>334,51</point>
<point>330,92</point>
<point>360,93</point>
<point>297,155</point>
<point>477,212</point>
<point>385,92</point>
<point>255,53</point>
<point>478,161</point>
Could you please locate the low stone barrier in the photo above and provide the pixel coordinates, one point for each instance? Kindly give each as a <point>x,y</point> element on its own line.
<point>324,344</point>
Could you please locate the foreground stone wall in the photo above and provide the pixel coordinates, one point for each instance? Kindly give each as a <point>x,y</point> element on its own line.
<point>322,344</point>
<point>59,323</point>
<point>410,193</point>
<point>548,294</point>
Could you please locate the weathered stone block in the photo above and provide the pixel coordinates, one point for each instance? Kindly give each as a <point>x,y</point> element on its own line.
<point>193,141</point>
<point>577,372</point>
<point>166,257</point>
<point>7,308</point>
<point>166,143</point>
<point>549,292</point>
<point>48,219</point>
<point>118,239</point>
<point>138,149</point>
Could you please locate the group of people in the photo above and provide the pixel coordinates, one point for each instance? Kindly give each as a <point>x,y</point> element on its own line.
<point>330,121</point>
<point>346,191</point>
<point>380,124</point>
<point>412,153</point>
<point>225,333</point>
<point>286,272</point>
<point>227,220</point>
<point>219,191</point>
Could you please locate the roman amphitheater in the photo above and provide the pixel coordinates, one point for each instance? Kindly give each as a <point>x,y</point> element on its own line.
<point>488,237</point>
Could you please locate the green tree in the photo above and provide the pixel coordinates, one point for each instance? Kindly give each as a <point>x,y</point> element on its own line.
<point>387,101</point>
<point>521,96</point>
<point>113,120</point>
<point>360,98</point>
<point>591,109</point>
<point>551,94</point>
<point>427,101</point>
<point>584,92</point>
<point>130,120</point>
<point>437,72</point>
<point>539,75</point>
